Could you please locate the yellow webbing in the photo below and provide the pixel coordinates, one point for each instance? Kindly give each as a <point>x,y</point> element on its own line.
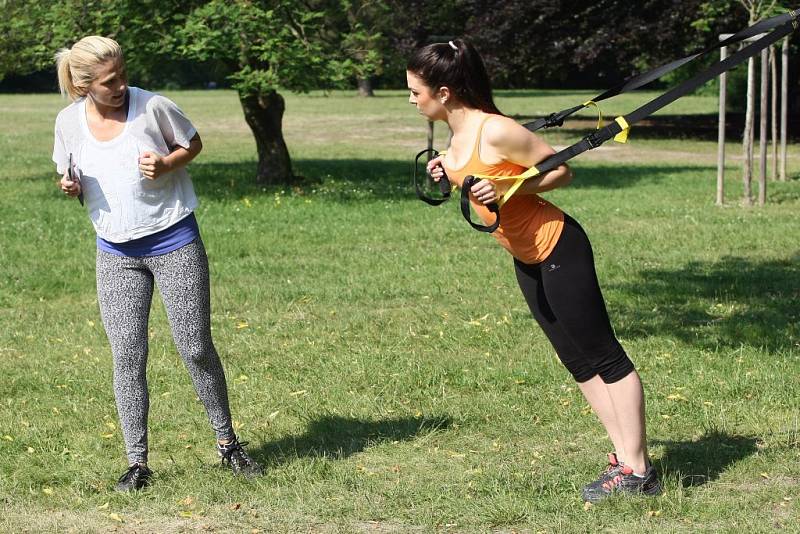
<point>622,137</point>
<point>518,180</point>
<point>589,103</point>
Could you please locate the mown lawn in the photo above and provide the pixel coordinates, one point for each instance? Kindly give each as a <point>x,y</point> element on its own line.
<point>381,361</point>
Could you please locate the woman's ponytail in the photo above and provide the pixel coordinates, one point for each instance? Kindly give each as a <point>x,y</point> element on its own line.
<point>65,83</point>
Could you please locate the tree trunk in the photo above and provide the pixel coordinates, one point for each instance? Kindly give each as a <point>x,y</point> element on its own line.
<point>762,131</point>
<point>264,115</point>
<point>365,87</point>
<point>747,137</point>
<point>723,96</point>
<point>773,65</point>
<point>784,103</point>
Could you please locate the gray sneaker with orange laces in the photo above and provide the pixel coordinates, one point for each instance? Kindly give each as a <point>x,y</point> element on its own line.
<point>623,480</point>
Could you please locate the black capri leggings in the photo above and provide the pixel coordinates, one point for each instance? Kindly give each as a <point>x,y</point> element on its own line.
<point>565,299</point>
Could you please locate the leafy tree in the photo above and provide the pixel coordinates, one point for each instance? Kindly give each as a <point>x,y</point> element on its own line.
<point>264,46</point>
<point>33,30</point>
<point>358,28</point>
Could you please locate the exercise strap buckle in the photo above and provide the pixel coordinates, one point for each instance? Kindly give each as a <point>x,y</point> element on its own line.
<point>595,139</point>
<point>553,120</point>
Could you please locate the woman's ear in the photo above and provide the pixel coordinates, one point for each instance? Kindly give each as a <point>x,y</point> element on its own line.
<point>443,94</point>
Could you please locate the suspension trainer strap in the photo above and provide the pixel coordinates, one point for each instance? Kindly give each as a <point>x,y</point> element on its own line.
<point>640,80</point>
<point>618,129</point>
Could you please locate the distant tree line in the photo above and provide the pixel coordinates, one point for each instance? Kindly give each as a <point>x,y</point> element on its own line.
<point>263,47</point>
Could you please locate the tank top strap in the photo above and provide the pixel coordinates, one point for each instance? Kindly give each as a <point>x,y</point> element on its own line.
<point>476,150</point>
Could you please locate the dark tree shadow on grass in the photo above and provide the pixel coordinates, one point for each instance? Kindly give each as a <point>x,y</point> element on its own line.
<point>351,180</point>
<point>705,459</point>
<point>336,437</point>
<point>730,302</point>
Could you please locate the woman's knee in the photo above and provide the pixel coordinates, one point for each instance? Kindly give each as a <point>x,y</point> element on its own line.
<point>614,364</point>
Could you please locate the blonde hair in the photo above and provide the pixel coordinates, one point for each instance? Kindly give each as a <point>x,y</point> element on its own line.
<point>76,65</point>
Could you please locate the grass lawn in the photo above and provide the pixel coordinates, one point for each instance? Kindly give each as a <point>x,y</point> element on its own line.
<point>380,358</point>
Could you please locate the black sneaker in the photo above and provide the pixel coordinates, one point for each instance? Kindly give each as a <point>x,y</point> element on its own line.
<point>233,455</point>
<point>624,481</point>
<point>135,478</point>
<point>612,469</point>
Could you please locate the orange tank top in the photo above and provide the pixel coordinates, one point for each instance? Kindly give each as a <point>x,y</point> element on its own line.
<point>529,225</point>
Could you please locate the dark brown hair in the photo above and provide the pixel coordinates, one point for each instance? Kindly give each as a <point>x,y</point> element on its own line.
<point>458,67</point>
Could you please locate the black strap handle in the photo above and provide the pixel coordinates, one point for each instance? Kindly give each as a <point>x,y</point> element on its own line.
<point>444,181</point>
<point>469,181</point>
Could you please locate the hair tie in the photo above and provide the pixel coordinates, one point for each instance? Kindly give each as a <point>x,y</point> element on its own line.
<point>454,47</point>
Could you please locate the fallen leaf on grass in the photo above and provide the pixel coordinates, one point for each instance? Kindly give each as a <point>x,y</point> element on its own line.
<point>115,517</point>
<point>587,505</point>
<point>103,506</point>
<point>47,491</point>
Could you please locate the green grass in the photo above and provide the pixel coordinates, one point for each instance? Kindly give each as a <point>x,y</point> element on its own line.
<point>380,358</point>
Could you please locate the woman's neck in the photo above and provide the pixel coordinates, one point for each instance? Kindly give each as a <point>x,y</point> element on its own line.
<point>107,112</point>
<point>462,118</point>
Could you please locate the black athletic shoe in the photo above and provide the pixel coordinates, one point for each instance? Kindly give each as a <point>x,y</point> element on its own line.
<point>612,469</point>
<point>135,478</point>
<point>624,481</point>
<point>233,455</point>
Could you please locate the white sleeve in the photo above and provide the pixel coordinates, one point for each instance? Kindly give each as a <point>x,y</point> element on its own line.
<point>175,126</point>
<point>60,155</point>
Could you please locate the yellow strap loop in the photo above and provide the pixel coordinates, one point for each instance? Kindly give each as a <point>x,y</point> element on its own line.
<point>518,180</point>
<point>590,103</point>
<point>622,137</point>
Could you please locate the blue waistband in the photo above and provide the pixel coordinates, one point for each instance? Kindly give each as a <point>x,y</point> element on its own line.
<point>179,234</point>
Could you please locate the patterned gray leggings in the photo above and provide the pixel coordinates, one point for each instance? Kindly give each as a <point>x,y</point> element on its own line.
<point>125,291</point>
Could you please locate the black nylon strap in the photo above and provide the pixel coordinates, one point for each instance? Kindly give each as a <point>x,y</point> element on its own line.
<point>602,135</point>
<point>469,181</point>
<point>640,80</point>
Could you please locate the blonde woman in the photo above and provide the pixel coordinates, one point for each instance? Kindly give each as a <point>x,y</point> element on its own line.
<point>128,149</point>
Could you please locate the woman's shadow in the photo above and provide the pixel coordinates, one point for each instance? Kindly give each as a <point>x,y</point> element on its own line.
<point>704,459</point>
<point>335,437</point>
